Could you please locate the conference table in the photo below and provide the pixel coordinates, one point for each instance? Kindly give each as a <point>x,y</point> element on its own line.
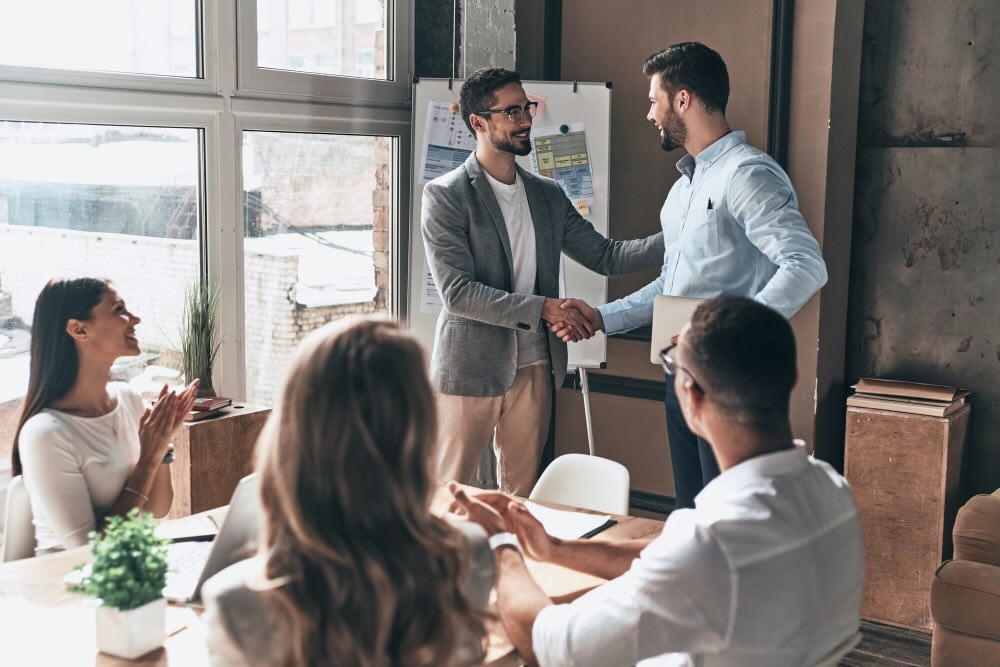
<point>41,623</point>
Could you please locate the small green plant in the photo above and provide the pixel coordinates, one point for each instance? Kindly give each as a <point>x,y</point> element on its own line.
<point>130,562</point>
<point>199,334</point>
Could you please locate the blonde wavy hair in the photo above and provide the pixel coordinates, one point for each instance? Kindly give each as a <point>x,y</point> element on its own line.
<point>367,576</point>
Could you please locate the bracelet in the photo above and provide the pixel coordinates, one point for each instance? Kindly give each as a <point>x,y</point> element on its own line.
<point>144,497</point>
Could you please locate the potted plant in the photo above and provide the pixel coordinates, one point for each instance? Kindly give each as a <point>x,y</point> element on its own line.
<point>200,335</point>
<point>128,575</point>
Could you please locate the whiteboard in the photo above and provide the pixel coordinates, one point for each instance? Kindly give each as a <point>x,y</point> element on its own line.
<point>566,103</point>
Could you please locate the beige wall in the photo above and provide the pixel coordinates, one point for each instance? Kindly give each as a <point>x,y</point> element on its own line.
<point>608,41</point>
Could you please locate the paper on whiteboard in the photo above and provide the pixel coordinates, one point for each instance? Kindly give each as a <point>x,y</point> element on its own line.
<point>568,525</point>
<point>448,141</point>
<point>430,298</point>
<point>564,156</point>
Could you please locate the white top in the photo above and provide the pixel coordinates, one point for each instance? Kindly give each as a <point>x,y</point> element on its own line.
<point>75,467</point>
<point>532,346</point>
<point>241,620</point>
<point>766,570</point>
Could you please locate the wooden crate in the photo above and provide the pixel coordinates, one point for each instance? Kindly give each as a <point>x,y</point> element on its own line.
<point>212,455</point>
<point>905,473</point>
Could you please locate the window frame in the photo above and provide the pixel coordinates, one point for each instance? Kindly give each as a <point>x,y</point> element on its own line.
<point>205,80</point>
<point>395,91</point>
<point>222,112</point>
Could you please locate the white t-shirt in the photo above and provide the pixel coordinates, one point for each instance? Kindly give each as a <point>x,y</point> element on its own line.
<point>75,467</point>
<point>532,346</point>
<point>766,570</point>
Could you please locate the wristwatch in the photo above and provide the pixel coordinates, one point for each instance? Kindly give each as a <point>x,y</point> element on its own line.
<point>504,539</point>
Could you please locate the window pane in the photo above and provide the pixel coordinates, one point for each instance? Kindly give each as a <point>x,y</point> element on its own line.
<point>337,37</point>
<point>131,36</point>
<point>96,200</point>
<point>317,241</point>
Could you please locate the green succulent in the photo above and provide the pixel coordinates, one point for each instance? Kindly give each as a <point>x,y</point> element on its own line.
<point>130,562</point>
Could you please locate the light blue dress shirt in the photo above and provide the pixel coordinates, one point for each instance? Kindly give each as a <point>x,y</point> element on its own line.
<point>731,227</point>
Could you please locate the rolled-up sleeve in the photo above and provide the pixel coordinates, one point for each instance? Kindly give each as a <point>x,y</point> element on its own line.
<point>676,598</point>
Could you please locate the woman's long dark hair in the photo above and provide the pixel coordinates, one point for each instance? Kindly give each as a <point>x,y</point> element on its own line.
<point>54,362</point>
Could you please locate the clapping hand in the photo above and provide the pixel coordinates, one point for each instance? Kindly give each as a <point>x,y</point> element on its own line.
<point>564,330</point>
<point>497,512</point>
<point>159,422</point>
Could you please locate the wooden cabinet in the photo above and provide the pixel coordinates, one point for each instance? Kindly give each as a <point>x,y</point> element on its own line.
<point>905,471</point>
<point>212,455</point>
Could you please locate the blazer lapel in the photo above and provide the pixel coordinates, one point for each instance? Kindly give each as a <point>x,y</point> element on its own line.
<point>485,190</point>
<point>547,274</point>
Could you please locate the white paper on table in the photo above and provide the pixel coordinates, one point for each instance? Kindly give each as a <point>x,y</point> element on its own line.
<point>430,298</point>
<point>565,157</point>
<point>568,525</point>
<point>447,141</point>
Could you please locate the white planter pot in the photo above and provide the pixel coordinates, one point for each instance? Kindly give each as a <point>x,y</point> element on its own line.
<point>129,634</point>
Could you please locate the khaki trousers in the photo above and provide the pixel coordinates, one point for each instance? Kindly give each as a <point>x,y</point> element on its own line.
<point>520,420</point>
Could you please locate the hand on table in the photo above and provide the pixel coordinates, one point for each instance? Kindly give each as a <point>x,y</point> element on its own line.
<point>591,316</point>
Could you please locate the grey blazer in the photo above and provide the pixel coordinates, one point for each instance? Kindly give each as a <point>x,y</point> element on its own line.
<point>468,250</point>
<point>246,627</point>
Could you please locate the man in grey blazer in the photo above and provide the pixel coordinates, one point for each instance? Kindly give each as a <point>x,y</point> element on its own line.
<point>493,234</point>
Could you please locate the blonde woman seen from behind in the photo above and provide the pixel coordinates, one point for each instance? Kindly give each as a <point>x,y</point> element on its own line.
<point>353,569</point>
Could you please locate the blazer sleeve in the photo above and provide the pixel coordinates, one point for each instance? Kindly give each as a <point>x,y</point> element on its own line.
<point>602,255</point>
<point>446,240</point>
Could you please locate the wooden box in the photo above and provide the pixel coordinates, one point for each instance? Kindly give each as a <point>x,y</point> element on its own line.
<point>905,471</point>
<point>212,455</point>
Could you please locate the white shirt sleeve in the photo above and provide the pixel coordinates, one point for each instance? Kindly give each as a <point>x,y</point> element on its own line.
<point>54,479</point>
<point>676,597</point>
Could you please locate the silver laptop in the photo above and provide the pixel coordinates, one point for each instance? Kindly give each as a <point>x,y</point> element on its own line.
<point>190,564</point>
<point>670,314</point>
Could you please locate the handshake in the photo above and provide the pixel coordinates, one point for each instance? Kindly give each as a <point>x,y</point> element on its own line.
<point>571,319</point>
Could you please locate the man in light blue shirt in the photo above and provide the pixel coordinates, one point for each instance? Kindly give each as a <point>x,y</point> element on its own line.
<point>731,226</point>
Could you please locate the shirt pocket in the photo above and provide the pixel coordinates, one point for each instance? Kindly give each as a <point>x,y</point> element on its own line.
<point>701,234</point>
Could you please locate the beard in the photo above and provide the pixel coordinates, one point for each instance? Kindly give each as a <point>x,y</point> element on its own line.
<point>674,133</point>
<point>507,145</point>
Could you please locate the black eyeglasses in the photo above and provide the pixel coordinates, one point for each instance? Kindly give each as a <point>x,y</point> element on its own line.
<point>513,113</point>
<point>670,367</point>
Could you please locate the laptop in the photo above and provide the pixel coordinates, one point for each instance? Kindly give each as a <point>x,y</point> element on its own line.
<point>670,314</point>
<point>191,563</point>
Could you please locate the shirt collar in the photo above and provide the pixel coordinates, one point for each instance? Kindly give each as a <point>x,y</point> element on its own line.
<point>753,471</point>
<point>686,165</point>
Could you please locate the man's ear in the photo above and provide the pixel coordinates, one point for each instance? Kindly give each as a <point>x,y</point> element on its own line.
<point>77,330</point>
<point>477,122</point>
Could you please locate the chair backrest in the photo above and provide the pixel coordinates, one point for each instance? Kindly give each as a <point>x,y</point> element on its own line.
<point>833,658</point>
<point>19,530</point>
<point>590,482</point>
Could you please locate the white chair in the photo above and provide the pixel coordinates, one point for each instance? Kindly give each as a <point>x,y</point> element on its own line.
<point>833,658</point>
<point>590,482</point>
<point>19,530</point>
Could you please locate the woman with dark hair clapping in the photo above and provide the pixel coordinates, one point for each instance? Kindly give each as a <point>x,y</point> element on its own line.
<point>87,447</point>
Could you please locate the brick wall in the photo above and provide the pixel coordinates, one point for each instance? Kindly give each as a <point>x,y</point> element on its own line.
<point>151,274</point>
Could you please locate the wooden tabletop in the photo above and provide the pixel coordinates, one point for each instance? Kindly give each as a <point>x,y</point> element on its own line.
<point>43,623</point>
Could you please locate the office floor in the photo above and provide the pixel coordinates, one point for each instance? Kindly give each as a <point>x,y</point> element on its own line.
<point>887,646</point>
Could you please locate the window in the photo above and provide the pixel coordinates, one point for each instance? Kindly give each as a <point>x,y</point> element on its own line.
<point>108,201</point>
<point>316,246</point>
<point>133,171</point>
<point>315,33</point>
<point>133,36</point>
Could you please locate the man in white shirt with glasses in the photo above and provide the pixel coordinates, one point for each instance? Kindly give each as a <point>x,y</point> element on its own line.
<point>766,570</point>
